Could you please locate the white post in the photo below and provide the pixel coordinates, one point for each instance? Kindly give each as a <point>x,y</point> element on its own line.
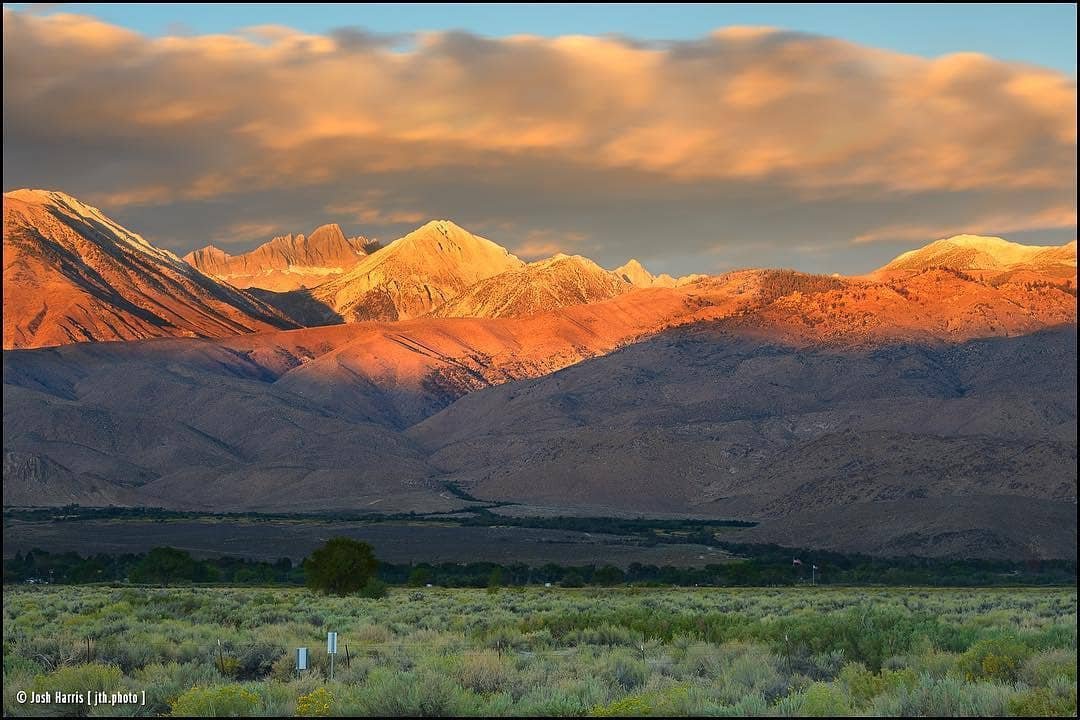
<point>331,650</point>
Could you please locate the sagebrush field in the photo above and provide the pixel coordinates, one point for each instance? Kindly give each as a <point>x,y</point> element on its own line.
<point>547,651</point>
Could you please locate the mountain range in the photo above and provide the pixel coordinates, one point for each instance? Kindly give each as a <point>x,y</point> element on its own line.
<point>559,281</point>
<point>415,274</point>
<point>287,262</point>
<point>991,258</point>
<point>928,407</point>
<point>73,275</point>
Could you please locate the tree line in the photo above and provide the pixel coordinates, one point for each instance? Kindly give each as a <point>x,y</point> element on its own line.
<point>345,566</point>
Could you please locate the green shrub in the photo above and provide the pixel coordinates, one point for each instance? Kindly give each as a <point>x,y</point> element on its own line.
<point>547,652</point>
<point>551,702</point>
<point>861,685</point>
<point>684,699</point>
<point>227,665</point>
<point>255,661</point>
<point>164,683</point>
<point>824,700</point>
<point>998,658</point>
<point>626,671</point>
<point>219,701</point>
<point>90,677</point>
<point>403,694</point>
<point>752,705</point>
<point>1040,669</point>
<point>629,706</point>
<point>483,672</point>
<point>868,635</point>
<point>17,664</point>
<point>374,588</point>
<point>678,700</point>
<point>701,660</point>
<point>372,634</point>
<point>945,697</point>
<point>1044,702</point>
<point>316,703</point>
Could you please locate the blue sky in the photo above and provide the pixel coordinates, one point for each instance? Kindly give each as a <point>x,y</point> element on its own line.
<point>1044,34</point>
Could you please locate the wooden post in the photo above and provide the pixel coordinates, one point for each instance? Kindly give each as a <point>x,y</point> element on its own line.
<point>348,659</point>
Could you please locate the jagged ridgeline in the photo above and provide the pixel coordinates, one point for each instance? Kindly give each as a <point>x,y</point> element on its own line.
<point>927,407</point>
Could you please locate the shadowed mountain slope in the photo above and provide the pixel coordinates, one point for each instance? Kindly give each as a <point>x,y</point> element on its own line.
<point>929,410</point>
<point>716,399</point>
<point>705,421</point>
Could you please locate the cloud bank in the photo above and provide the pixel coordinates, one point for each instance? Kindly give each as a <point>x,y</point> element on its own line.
<point>747,146</point>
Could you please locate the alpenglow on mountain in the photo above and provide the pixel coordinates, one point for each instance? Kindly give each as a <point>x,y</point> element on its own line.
<point>559,281</point>
<point>930,409</point>
<point>71,274</point>
<point>287,262</point>
<point>415,274</point>
<point>980,252</point>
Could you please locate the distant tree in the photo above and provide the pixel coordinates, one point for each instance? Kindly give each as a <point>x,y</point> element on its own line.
<point>420,576</point>
<point>518,574</point>
<point>551,572</point>
<point>573,579</point>
<point>608,575</point>
<point>342,566</point>
<point>165,565</point>
<point>373,588</point>
<point>207,572</point>
<point>495,579</point>
<point>246,576</point>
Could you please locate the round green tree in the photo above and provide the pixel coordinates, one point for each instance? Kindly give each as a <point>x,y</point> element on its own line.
<point>340,567</point>
<point>166,565</point>
<point>420,576</point>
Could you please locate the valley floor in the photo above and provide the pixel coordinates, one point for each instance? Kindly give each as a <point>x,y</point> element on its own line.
<point>545,651</point>
<point>427,540</point>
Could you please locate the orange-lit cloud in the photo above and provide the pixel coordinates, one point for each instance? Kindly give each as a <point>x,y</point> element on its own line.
<point>373,209</point>
<point>243,232</point>
<point>544,243</point>
<point>1063,216</point>
<point>792,117</point>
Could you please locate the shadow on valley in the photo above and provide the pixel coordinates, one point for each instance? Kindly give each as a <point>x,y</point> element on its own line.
<point>937,450</point>
<point>299,306</point>
<point>752,566</point>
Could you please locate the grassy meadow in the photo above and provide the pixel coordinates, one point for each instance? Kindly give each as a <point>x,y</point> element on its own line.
<point>545,651</point>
